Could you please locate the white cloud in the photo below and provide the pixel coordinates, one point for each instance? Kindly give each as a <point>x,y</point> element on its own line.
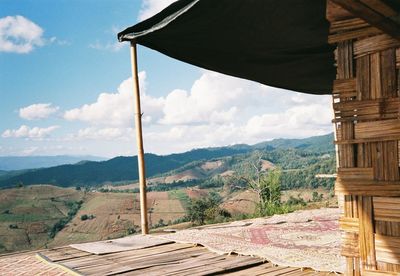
<point>217,110</point>
<point>110,46</point>
<point>109,133</point>
<point>57,41</point>
<point>117,109</point>
<point>37,111</point>
<point>213,98</point>
<point>46,149</point>
<point>151,7</point>
<point>184,137</point>
<point>28,132</point>
<point>19,35</point>
<point>296,122</point>
<point>28,151</point>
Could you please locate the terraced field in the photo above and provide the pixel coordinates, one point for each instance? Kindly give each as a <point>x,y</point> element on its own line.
<point>116,215</point>
<point>28,214</point>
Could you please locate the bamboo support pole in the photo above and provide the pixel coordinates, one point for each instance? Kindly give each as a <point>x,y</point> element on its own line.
<point>139,141</point>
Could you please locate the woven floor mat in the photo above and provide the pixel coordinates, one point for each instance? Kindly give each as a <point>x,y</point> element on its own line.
<point>306,239</point>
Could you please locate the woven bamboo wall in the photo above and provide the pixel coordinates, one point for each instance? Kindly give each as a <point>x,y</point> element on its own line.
<point>367,119</point>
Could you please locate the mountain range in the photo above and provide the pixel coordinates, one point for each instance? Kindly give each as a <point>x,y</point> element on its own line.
<point>121,168</point>
<point>12,163</point>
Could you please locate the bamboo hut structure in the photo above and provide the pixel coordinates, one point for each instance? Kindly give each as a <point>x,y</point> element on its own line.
<point>347,48</point>
<point>367,111</point>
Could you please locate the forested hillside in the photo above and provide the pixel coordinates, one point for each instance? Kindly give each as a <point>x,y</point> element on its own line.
<point>114,170</point>
<point>299,159</point>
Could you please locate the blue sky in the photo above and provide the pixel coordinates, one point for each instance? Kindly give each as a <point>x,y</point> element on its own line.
<point>65,88</point>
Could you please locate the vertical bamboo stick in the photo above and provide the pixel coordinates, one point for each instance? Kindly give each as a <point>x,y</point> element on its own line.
<point>139,141</point>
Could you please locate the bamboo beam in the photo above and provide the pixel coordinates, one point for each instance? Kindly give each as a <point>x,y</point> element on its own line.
<point>370,15</point>
<point>380,7</point>
<point>139,141</point>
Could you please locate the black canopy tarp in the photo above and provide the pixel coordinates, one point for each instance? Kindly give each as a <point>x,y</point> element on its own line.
<point>281,43</point>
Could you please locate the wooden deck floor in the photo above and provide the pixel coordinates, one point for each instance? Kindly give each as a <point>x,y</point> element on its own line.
<point>169,259</point>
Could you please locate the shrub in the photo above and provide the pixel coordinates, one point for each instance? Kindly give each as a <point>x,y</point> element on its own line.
<point>207,209</point>
<point>217,214</point>
<point>317,197</point>
<point>160,223</point>
<point>269,209</point>
<point>73,206</point>
<point>133,230</point>
<point>181,220</point>
<point>58,227</point>
<point>86,217</point>
<point>296,201</point>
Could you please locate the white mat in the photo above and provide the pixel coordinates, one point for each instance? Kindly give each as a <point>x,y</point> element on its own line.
<point>119,245</point>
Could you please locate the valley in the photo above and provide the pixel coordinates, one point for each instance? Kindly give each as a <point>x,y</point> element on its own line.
<point>27,222</point>
<point>84,204</point>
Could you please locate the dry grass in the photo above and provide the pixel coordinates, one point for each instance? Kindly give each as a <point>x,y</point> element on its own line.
<point>115,213</point>
<point>194,193</point>
<point>212,165</point>
<point>183,176</point>
<point>241,203</point>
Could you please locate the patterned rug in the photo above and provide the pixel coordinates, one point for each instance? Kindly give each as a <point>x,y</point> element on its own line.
<point>306,239</point>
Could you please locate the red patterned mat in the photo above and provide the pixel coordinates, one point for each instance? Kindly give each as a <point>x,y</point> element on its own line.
<point>308,238</point>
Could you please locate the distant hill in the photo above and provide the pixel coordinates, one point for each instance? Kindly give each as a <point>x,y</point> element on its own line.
<point>322,143</point>
<point>125,168</point>
<point>11,163</point>
<point>113,170</point>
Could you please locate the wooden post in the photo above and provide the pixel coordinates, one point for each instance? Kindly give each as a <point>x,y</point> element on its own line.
<point>139,141</point>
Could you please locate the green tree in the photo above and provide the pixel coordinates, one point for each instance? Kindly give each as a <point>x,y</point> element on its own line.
<point>197,210</point>
<point>214,198</point>
<point>206,209</point>
<point>270,187</point>
<point>266,183</point>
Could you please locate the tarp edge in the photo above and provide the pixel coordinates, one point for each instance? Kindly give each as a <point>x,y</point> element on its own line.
<point>131,36</point>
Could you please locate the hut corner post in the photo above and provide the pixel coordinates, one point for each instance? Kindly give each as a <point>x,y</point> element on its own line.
<point>139,141</point>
